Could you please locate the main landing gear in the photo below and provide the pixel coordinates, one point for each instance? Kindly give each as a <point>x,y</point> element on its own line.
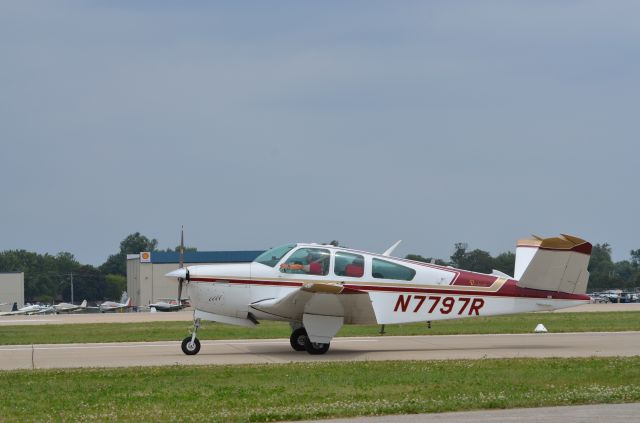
<point>191,344</point>
<point>301,342</point>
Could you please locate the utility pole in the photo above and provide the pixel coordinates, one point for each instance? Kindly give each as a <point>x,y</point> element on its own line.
<point>71,274</point>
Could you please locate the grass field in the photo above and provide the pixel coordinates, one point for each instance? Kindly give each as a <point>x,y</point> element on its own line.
<point>308,391</point>
<point>163,331</point>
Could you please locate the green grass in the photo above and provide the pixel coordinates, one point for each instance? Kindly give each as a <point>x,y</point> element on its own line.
<point>312,390</point>
<point>164,331</point>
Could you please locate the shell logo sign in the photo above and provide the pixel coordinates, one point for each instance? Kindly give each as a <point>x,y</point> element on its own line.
<point>145,257</point>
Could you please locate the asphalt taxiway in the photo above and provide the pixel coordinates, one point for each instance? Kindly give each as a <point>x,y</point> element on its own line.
<point>594,413</point>
<point>432,347</point>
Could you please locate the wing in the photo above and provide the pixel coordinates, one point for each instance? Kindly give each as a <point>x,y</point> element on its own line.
<point>317,305</point>
<point>294,304</point>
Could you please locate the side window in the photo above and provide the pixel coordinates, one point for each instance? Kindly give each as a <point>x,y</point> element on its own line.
<point>387,270</point>
<point>308,261</point>
<point>347,264</point>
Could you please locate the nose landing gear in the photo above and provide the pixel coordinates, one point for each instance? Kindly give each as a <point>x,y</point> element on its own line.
<point>191,344</point>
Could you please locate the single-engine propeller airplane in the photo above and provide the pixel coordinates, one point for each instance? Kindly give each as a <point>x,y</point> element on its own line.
<point>69,307</point>
<point>319,288</point>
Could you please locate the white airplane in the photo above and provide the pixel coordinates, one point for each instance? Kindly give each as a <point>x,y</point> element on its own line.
<point>115,306</point>
<point>27,309</point>
<point>167,304</point>
<point>68,307</point>
<point>319,288</point>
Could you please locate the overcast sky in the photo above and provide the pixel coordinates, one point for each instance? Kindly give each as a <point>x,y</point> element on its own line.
<point>258,123</point>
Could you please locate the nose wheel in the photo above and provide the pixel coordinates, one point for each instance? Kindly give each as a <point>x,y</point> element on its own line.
<point>191,344</point>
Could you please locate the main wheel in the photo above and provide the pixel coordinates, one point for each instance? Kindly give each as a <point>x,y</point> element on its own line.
<point>315,348</point>
<point>190,348</point>
<point>298,339</point>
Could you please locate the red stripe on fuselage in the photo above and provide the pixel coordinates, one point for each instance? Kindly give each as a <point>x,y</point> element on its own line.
<point>509,289</point>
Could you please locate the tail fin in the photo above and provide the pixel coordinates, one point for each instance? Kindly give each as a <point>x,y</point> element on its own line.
<point>84,304</point>
<point>553,264</point>
<point>14,307</point>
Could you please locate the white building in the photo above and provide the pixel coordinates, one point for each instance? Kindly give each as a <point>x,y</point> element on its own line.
<point>11,290</point>
<point>146,280</point>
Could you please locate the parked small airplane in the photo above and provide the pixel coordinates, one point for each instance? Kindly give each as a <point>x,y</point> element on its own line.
<point>115,306</point>
<point>68,307</point>
<point>319,288</point>
<point>27,309</point>
<point>167,304</point>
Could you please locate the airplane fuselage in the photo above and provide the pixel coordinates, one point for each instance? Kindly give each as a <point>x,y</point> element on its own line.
<point>433,293</point>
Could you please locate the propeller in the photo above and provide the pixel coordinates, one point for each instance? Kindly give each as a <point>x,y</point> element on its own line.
<point>181,266</point>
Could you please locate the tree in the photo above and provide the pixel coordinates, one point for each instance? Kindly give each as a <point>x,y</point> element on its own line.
<point>44,274</point>
<point>475,261</point>
<point>187,249</point>
<point>505,262</point>
<point>460,250</point>
<point>635,258</point>
<point>417,257</point>
<point>601,268</point>
<point>115,285</point>
<point>135,243</point>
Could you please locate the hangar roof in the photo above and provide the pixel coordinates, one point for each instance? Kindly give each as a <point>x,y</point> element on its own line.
<point>204,256</point>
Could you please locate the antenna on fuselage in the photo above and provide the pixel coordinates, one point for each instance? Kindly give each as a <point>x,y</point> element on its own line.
<point>390,249</point>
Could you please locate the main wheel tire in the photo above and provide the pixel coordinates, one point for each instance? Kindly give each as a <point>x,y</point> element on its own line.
<point>190,348</point>
<point>298,339</point>
<point>315,348</point>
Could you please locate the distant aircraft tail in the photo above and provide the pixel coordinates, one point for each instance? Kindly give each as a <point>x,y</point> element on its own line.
<point>15,307</point>
<point>553,264</point>
<point>84,304</point>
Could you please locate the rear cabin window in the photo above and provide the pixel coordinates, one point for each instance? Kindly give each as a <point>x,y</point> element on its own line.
<point>350,265</point>
<point>387,270</point>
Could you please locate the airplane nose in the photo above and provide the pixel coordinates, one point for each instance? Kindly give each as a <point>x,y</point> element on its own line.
<point>178,273</point>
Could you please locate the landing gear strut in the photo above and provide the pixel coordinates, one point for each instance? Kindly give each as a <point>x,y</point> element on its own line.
<point>191,344</point>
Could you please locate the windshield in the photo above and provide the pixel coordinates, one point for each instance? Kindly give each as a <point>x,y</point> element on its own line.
<point>272,257</point>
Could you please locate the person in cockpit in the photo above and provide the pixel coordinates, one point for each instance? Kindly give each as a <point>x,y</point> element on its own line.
<point>315,264</point>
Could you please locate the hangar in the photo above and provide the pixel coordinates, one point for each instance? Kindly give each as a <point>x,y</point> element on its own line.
<point>11,289</point>
<point>146,281</point>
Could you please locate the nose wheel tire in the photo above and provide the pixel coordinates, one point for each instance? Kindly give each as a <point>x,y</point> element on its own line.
<point>190,348</point>
<point>298,339</point>
<point>315,348</point>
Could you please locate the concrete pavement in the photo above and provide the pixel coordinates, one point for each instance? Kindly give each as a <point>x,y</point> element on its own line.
<point>432,347</point>
<point>574,414</point>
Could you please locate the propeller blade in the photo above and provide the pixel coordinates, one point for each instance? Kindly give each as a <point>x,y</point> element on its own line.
<point>181,266</point>
<point>181,247</point>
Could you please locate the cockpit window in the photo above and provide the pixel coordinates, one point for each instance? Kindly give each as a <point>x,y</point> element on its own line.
<point>272,257</point>
<point>386,270</point>
<point>308,261</point>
